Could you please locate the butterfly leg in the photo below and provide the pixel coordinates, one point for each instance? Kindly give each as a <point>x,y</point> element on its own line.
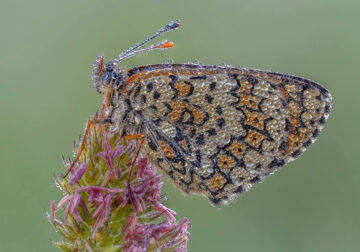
<point>83,142</point>
<point>132,163</point>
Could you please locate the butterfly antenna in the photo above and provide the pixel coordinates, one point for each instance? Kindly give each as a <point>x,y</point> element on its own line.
<point>159,46</point>
<point>173,25</point>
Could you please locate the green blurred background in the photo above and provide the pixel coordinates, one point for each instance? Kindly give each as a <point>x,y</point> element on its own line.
<point>47,49</point>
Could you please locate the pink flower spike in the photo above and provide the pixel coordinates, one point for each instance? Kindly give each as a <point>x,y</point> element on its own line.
<point>122,199</point>
<point>131,222</point>
<point>159,231</point>
<point>79,172</point>
<point>66,213</point>
<point>107,157</point>
<point>107,179</point>
<point>168,212</point>
<point>52,206</point>
<point>142,189</point>
<point>115,130</point>
<point>117,151</point>
<point>126,213</point>
<point>99,209</point>
<point>181,248</point>
<point>87,246</point>
<point>142,165</point>
<point>107,154</point>
<point>135,201</point>
<point>92,188</point>
<point>75,202</point>
<point>106,142</point>
<point>108,200</point>
<point>96,197</point>
<point>154,196</point>
<point>133,248</point>
<point>115,190</point>
<point>77,216</point>
<point>98,224</point>
<point>183,234</point>
<point>64,200</point>
<point>83,206</point>
<point>185,224</point>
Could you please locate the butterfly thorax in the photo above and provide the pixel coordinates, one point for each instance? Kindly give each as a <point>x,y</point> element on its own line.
<point>112,82</point>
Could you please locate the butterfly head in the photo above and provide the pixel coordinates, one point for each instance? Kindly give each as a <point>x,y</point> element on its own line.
<point>108,75</point>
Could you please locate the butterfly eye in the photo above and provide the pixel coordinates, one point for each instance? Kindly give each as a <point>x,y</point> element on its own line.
<point>106,77</point>
<point>109,67</point>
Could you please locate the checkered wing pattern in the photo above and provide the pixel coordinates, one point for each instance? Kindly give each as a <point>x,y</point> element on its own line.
<point>218,131</point>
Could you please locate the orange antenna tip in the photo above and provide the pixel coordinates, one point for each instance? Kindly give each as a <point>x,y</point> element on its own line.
<point>166,45</point>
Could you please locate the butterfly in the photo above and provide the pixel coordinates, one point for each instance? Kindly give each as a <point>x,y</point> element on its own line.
<point>213,130</point>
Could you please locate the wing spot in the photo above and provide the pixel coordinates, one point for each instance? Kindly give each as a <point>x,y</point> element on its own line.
<point>152,145</point>
<point>254,138</point>
<point>255,180</point>
<point>168,151</point>
<point>209,99</point>
<point>200,140</point>
<point>212,132</point>
<point>220,122</point>
<point>184,88</point>
<point>225,162</point>
<point>212,86</point>
<point>200,77</point>
<point>296,153</point>
<point>316,133</point>
<point>149,87</point>
<point>219,110</point>
<point>156,95</point>
<point>217,182</point>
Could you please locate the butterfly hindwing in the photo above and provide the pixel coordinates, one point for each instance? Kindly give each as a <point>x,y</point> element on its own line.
<point>218,132</point>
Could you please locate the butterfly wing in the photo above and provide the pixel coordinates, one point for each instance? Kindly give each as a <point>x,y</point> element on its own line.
<point>216,132</point>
